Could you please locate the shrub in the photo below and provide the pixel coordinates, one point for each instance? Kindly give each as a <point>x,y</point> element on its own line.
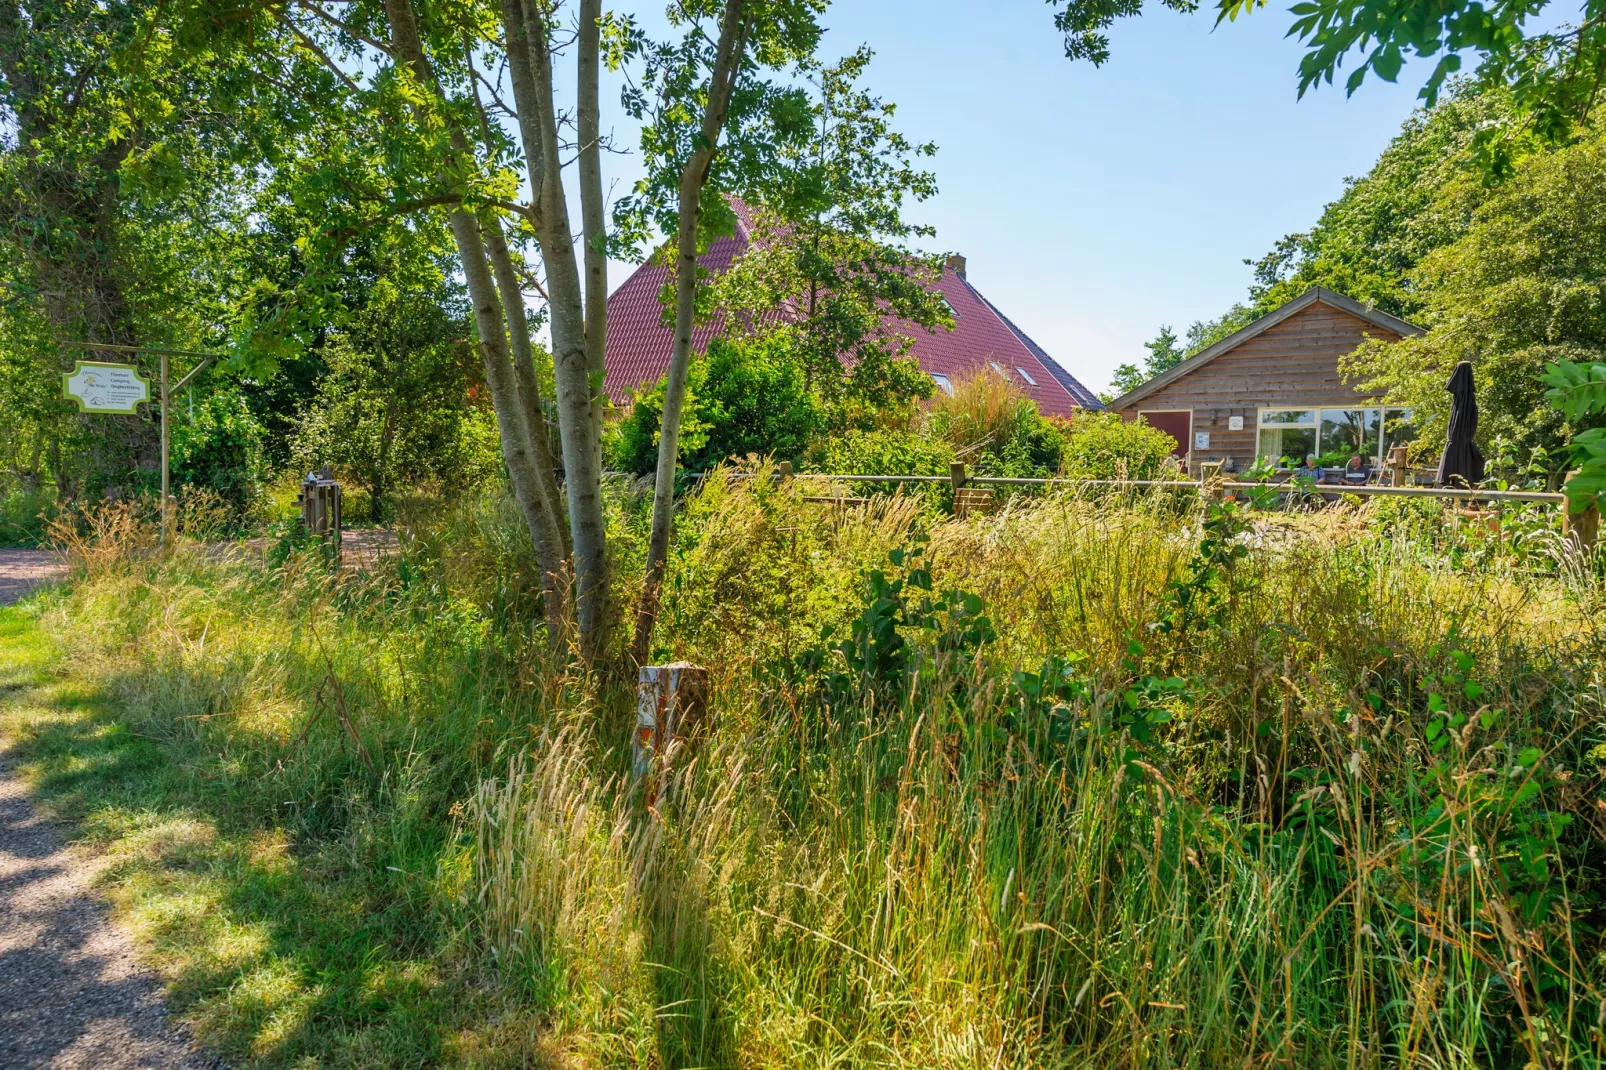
<point>217,446</point>
<point>1101,445</point>
<point>742,397</point>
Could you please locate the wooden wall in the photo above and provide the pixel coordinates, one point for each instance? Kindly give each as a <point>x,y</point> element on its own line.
<point>1294,363</point>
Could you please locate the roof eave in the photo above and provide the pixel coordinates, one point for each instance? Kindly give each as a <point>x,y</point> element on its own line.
<point>1271,319</point>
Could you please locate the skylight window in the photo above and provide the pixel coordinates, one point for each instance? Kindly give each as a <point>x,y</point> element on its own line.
<point>1024,374</point>
<point>945,384</point>
<point>997,367</point>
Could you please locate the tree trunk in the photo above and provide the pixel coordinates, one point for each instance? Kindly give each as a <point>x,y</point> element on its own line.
<point>542,488</point>
<point>727,65</point>
<point>489,317</point>
<point>594,234</point>
<point>530,68</point>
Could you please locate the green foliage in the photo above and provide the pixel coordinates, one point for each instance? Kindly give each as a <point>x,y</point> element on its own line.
<point>1553,70</point>
<point>393,406</point>
<point>1101,445</point>
<point>1515,292</point>
<point>1417,197</point>
<point>743,397</point>
<point>1579,393</point>
<point>217,446</point>
<point>831,246</point>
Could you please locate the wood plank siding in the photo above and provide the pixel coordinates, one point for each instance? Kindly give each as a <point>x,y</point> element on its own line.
<point>1293,363</point>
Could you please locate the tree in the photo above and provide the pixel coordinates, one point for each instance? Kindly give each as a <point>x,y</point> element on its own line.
<point>414,92</point>
<point>1556,73</point>
<point>1418,197</point>
<point>123,202</point>
<point>1518,291</point>
<point>391,404</point>
<point>1164,353</point>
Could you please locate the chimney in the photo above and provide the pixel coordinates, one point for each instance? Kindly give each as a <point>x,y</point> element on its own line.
<point>957,263</point>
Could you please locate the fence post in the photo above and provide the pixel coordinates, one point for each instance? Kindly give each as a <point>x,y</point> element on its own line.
<point>671,702</point>
<point>784,469</point>
<point>956,475</point>
<point>320,509</point>
<point>1211,486</point>
<point>1396,465</point>
<point>1582,528</point>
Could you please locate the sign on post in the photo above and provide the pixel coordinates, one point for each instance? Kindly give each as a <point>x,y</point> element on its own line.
<point>98,387</point>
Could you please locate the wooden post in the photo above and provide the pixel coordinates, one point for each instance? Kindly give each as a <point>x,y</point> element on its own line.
<point>164,538</point>
<point>1396,466</point>
<point>784,469</point>
<point>956,476</point>
<point>671,703</point>
<point>1583,528</point>
<point>1211,486</point>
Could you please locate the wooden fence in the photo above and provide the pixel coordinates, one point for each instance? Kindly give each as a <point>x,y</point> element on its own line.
<point>1583,526</point>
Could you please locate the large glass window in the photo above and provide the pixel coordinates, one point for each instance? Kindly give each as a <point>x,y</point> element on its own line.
<point>1334,437</point>
<point>1289,433</point>
<point>1347,434</point>
<point>1398,430</point>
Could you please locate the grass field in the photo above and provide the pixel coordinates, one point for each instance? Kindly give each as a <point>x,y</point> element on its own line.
<point>1088,783</point>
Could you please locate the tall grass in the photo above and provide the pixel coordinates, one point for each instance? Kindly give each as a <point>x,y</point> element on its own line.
<point>1171,789</point>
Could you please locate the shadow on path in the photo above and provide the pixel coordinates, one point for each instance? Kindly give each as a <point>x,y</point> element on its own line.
<point>71,994</point>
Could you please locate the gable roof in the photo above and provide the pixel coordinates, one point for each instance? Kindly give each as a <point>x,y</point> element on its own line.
<point>639,342</point>
<point>1084,397</point>
<point>1332,298</point>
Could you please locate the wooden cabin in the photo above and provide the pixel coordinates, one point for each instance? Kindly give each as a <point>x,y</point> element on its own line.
<point>1273,390</point>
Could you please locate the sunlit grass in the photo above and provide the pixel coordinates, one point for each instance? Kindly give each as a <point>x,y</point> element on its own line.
<point>367,823</point>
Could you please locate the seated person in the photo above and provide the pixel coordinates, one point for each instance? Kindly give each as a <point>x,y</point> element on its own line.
<point>1355,470</point>
<point>1309,468</point>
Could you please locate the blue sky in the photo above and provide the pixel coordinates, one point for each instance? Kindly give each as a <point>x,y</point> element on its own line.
<point>1094,205</point>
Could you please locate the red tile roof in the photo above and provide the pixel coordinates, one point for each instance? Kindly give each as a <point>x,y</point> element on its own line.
<point>639,341</point>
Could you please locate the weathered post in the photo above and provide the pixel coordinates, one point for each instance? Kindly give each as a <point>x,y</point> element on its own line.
<point>784,469</point>
<point>1396,466</point>
<point>1581,528</point>
<point>320,509</point>
<point>956,476</point>
<point>165,536</point>
<point>671,703</point>
<point>1211,486</point>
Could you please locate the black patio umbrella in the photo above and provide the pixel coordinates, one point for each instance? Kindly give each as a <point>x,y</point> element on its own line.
<point>1462,462</point>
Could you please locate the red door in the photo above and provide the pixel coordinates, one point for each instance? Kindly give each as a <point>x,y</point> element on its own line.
<point>1178,423</point>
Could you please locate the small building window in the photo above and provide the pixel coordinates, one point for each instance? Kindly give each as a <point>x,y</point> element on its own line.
<point>997,367</point>
<point>1024,374</point>
<point>945,384</point>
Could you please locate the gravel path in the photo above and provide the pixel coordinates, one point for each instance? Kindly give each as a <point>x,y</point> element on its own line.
<point>71,994</point>
<point>21,569</point>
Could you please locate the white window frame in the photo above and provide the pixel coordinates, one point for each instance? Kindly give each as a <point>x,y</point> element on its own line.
<point>1315,424</point>
<point>1024,374</point>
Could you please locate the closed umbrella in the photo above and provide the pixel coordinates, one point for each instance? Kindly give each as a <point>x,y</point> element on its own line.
<point>1462,462</point>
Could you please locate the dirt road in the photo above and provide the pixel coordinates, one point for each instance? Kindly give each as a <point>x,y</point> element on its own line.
<point>71,993</point>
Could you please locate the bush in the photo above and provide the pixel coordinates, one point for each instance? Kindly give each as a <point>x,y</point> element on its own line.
<point>1101,445</point>
<point>995,428</point>
<point>217,446</point>
<point>888,452</point>
<point>746,397</point>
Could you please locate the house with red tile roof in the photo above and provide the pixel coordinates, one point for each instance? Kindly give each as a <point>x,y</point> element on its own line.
<point>639,342</point>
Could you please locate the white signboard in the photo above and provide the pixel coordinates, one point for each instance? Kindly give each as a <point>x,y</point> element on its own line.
<point>100,387</point>
<point>1201,440</point>
<point>1235,423</point>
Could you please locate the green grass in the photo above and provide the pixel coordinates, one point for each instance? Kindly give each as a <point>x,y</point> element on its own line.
<point>1298,791</point>
<point>280,948</point>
